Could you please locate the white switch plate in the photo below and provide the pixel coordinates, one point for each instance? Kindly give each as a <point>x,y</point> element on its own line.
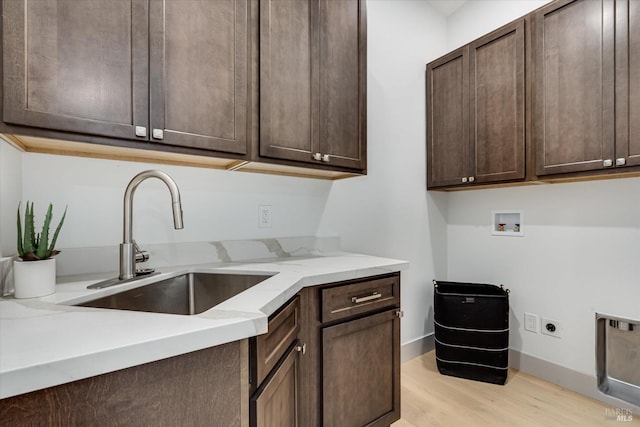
<point>265,216</point>
<point>531,322</point>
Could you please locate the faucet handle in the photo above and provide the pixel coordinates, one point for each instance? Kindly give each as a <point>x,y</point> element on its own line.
<point>141,256</point>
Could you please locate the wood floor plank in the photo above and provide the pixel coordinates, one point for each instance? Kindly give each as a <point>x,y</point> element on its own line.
<point>430,399</point>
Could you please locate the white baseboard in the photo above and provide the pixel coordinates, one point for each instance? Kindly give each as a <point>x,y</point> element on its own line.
<point>417,347</point>
<point>565,377</point>
<point>556,374</point>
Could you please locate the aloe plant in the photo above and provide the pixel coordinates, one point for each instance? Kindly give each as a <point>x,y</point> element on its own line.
<point>35,246</point>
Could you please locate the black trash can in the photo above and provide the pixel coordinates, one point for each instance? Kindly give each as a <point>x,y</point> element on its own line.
<point>472,330</point>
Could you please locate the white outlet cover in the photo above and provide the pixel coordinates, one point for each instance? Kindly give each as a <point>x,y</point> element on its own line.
<point>265,216</point>
<point>544,321</point>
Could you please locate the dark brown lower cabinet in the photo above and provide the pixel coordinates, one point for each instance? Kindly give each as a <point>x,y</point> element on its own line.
<point>275,370</point>
<point>202,388</point>
<point>275,403</point>
<point>350,374</point>
<point>331,357</point>
<point>360,375</point>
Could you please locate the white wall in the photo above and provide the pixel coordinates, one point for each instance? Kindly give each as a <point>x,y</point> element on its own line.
<point>580,255</point>
<point>389,212</point>
<point>581,251</point>
<point>10,195</point>
<point>217,205</point>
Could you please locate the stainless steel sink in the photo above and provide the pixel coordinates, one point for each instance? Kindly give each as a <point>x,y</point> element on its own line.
<point>186,294</point>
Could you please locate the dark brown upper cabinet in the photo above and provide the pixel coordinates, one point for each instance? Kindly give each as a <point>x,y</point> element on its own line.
<point>77,66</point>
<point>173,71</point>
<point>586,86</point>
<point>313,81</point>
<point>448,119</point>
<point>199,73</point>
<point>574,86</point>
<point>627,83</point>
<point>476,111</point>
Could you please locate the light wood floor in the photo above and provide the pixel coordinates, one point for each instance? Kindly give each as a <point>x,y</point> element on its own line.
<point>431,399</point>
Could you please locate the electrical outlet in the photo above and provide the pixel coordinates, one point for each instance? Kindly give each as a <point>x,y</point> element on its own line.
<point>551,327</point>
<point>531,322</point>
<point>265,216</point>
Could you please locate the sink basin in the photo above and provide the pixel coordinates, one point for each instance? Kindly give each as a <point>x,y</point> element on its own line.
<point>186,294</point>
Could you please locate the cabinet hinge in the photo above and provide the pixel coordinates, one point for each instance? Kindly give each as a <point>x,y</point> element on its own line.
<point>301,348</point>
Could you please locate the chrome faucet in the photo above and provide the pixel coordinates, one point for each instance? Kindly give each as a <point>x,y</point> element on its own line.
<point>130,253</point>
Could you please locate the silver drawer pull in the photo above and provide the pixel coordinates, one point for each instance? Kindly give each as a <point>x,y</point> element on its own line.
<point>358,300</point>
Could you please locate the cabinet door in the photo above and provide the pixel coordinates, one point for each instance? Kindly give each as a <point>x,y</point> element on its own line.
<point>574,86</point>
<point>361,372</point>
<point>199,73</point>
<point>283,330</point>
<point>343,85</point>
<point>627,83</point>
<point>496,89</point>
<point>288,85</point>
<point>78,66</point>
<point>313,81</point>
<point>448,119</point>
<point>275,404</point>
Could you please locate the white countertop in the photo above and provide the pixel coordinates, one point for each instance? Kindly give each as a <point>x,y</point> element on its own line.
<point>46,342</point>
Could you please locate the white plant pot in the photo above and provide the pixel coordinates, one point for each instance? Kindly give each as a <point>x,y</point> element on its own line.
<point>32,279</point>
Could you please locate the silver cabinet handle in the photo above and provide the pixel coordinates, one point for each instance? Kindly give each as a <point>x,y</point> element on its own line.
<point>607,163</point>
<point>464,179</point>
<point>358,300</point>
<point>471,179</point>
<point>400,314</point>
<point>621,161</point>
<point>157,134</point>
<point>321,157</point>
<point>141,131</point>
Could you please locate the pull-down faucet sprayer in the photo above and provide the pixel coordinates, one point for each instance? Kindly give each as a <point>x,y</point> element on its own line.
<point>129,251</point>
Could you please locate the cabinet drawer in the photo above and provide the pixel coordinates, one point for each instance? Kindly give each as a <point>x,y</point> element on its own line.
<point>352,299</point>
<point>282,332</point>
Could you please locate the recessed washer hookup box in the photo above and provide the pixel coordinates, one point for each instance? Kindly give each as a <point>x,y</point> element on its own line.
<point>472,330</point>
<point>618,357</point>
